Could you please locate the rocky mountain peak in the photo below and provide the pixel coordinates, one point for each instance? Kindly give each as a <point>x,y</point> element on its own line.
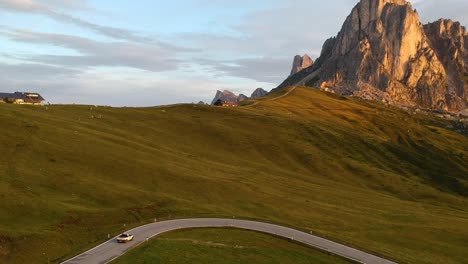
<point>449,40</point>
<point>226,96</point>
<point>259,92</point>
<point>451,34</point>
<point>384,53</point>
<point>242,97</point>
<point>388,31</point>
<point>371,10</point>
<point>300,63</point>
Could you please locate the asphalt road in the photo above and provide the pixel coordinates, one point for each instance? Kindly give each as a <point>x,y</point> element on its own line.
<point>111,250</point>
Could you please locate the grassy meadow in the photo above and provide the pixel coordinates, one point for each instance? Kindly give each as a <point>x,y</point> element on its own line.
<point>226,246</point>
<point>354,171</point>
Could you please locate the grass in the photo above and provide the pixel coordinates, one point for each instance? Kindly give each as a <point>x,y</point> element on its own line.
<point>355,171</point>
<point>227,246</point>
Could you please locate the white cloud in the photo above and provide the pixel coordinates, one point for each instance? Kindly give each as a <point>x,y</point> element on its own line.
<point>49,9</point>
<point>93,53</point>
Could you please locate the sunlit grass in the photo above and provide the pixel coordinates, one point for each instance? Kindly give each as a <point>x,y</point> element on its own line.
<point>354,171</point>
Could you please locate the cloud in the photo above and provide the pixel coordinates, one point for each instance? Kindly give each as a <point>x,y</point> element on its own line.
<point>26,5</point>
<point>253,45</point>
<point>28,71</point>
<point>265,42</point>
<point>93,53</point>
<point>274,32</point>
<point>68,4</point>
<point>45,8</point>
<point>262,69</point>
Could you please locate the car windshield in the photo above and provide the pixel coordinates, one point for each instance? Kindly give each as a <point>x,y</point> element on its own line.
<point>123,235</point>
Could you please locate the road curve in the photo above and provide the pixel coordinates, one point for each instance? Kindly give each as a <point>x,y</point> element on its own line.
<point>111,250</point>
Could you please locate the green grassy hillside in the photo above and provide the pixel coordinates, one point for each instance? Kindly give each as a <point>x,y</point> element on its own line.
<point>224,246</point>
<point>355,171</point>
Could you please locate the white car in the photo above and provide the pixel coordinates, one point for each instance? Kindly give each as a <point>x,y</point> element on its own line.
<point>124,238</point>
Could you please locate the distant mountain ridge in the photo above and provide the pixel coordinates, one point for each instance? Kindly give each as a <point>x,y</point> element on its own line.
<point>227,96</point>
<point>259,92</point>
<point>384,53</point>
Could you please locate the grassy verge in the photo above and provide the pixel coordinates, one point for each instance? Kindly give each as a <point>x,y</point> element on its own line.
<point>228,246</point>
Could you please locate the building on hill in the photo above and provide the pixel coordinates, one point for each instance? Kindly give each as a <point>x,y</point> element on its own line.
<point>229,104</point>
<point>220,102</point>
<point>22,98</point>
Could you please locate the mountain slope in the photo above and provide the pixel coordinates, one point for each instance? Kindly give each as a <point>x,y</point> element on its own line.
<point>355,171</point>
<point>259,92</point>
<point>384,53</point>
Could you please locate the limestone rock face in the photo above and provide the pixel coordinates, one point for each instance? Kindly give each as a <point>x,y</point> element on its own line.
<point>384,53</point>
<point>225,96</point>
<point>301,63</point>
<point>450,42</point>
<point>259,92</point>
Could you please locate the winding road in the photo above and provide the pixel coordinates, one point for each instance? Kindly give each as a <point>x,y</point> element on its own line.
<point>111,250</point>
<point>275,98</point>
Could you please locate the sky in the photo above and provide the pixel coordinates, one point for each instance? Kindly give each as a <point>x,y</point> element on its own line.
<point>154,52</point>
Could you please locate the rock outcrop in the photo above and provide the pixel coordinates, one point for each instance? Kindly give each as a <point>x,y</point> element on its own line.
<point>384,53</point>
<point>259,92</point>
<point>225,96</point>
<point>230,97</point>
<point>301,63</point>
<point>242,97</point>
<point>450,42</point>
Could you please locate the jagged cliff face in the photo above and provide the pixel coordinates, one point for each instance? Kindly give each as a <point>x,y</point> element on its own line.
<point>450,42</point>
<point>383,53</point>
<point>301,63</point>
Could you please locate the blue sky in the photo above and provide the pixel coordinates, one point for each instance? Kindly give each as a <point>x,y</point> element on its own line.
<point>142,53</point>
